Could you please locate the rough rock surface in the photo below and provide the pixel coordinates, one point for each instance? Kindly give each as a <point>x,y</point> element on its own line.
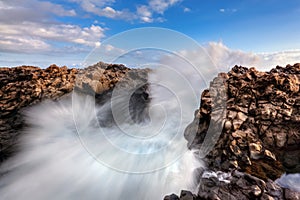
<point>113,81</point>
<point>236,186</point>
<point>261,131</point>
<point>24,86</point>
<point>260,117</point>
<point>257,112</point>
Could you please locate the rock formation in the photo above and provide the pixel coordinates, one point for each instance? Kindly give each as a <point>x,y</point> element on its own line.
<point>235,186</point>
<point>24,86</point>
<point>114,81</point>
<point>260,135</point>
<point>258,114</point>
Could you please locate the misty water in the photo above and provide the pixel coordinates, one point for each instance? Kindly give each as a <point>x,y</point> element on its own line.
<point>66,154</point>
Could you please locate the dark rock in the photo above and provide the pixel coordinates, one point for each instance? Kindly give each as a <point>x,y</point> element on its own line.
<point>171,197</point>
<point>240,185</point>
<point>291,195</point>
<point>187,195</point>
<point>260,138</point>
<point>21,87</point>
<point>25,86</point>
<point>261,127</point>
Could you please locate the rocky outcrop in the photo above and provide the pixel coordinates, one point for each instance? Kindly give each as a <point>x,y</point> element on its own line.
<point>235,186</point>
<point>24,86</point>
<point>261,130</point>
<point>260,137</point>
<point>99,78</point>
<point>128,88</point>
<point>256,113</point>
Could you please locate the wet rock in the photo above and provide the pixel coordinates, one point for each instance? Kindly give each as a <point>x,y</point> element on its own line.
<point>184,195</point>
<point>260,135</point>
<point>240,185</point>
<point>171,197</point>
<point>291,195</point>
<point>24,86</point>
<point>261,126</point>
<point>187,195</point>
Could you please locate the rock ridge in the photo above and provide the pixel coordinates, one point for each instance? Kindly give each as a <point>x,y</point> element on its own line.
<point>24,86</point>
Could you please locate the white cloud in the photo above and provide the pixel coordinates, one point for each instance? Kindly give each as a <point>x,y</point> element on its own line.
<point>32,36</point>
<point>104,8</point>
<point>228,10</point>
<point>186,10</point>
<point>14,11</point>
<point>19,44</point>
<point>145,12</point>
<point>225,58</point>
<point>280,58</point>
<point>110,12</point>
<point>160,6</point>
<point>147,19</point>
<point>28,26</point>
<point>56,9</point>
<point>89,4</point>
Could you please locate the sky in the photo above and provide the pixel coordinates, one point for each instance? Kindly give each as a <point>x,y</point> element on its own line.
<point>42,32</point>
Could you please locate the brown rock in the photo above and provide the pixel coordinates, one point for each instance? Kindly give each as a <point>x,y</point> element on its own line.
<point>26,85</point>
<point>255,150</point>
<point>262,122</point>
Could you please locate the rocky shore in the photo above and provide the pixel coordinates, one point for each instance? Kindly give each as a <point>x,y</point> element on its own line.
<point>258,112</point>
<point>21,87</point>
<point>24,86</point>
<point>260,139</point>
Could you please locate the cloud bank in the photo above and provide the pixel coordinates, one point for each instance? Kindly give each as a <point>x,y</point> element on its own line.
<point>226,58</point>
<point>29,26</point>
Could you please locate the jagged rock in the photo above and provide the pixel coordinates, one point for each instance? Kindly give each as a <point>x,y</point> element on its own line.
<point>258,111</point>
<point>24,86</point>
<point>260,135</point>
<point>186,195</point>
<point>261,129</point>
<point>236,185</point>
<point>241,185</point>
<point>291,195</point>
<point>99,78</point>
<point>171,197</point>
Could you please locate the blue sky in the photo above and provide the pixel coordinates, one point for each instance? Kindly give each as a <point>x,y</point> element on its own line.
<point>40,32</point>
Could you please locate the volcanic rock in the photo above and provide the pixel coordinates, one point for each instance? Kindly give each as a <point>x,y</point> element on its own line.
<point>239,185</point>
<point>24,86</point>
<point>21,87</point>
<point>260,132</point>
<point>260,138</point>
